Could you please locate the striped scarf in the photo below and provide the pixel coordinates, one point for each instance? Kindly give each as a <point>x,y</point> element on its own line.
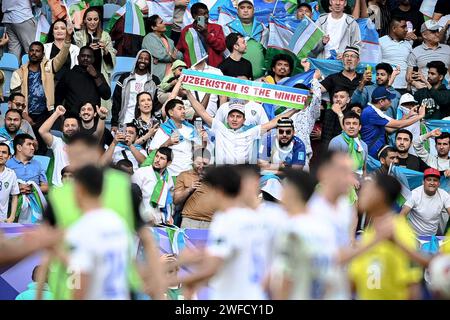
<point>169,128</point>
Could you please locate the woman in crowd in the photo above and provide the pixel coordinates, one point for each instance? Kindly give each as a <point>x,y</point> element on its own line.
<point>55,41</point>
<point>92,35</point>
<point>146,121</point>
<point>162,49</point>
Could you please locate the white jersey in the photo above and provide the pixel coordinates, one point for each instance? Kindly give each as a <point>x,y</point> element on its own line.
<point>61,160</point>
<point>234,238</point>
<point>306,252</point>
<point>100,246</point>
<point>339,219</point>
<point>8,187</point>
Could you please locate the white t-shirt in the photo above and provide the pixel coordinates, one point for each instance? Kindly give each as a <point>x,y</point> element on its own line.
<point>235,147</point>
<point>234,238</point>
<point>305,252</point>
<point>335,29</point>
<point>8,186</point>
<point>101,247</point>
<point>339,219</point>
<point>426,211</point>
<point>182,152</point>
<point>254,113</point>
<point>137,86</point>
<point>118,155</point>
<point>61,160</point>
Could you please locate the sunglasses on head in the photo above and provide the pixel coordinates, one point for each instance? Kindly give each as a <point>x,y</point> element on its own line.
<point>285,131</point>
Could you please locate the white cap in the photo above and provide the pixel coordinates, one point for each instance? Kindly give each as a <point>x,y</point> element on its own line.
<point>242,1</point>
<point>237,105</point>
<point>274,188</point>
<point>407,98</point>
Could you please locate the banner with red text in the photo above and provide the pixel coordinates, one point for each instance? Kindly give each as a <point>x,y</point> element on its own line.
<point>244,89</point>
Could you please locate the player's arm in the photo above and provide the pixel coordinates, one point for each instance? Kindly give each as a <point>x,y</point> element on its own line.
<point>273,123</point>
<point>79,293</point>
<point>405,211</point>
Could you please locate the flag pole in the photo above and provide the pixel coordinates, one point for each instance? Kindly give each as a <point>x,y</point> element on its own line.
<point>275,7</point>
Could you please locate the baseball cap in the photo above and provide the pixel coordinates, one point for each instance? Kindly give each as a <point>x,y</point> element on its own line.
<point>285,123</point>
<point>431,172</point>
<point>242,1</point>
<point>382,93</point>
<point>430,25</point>
<point>352,49</point>
<point>407,98</point>
<point>237,105</point>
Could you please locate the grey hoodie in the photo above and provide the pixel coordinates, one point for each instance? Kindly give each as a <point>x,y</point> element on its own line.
<point>122,91</point>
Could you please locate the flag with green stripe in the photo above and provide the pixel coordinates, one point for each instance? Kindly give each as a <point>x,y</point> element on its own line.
<point>195,47</point>
<point>116,16</point>
<point>42,29</point>
<point>134,19</point>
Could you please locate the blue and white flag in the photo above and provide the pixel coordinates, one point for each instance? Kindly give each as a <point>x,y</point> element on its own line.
<point>328,67</point>
<point>134,19</point>
<point>370,49</point>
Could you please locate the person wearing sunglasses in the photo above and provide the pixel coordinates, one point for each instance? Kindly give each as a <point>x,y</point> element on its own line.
<point>285,150</point>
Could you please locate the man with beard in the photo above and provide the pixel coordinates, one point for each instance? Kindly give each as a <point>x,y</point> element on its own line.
<point>385,75</point>
<point>282,66</point>
<point>375,123</point>
<point>348,141</point>
<point>71,125</point>
<point>403,142</point>
<point>435,92</point>
<point>11,128</point>
<point>413,17</point>
<point>17,102</point>
<point>439,161</point>
<point>388,157</point>
<point>157,186</point>
<point>285,150</point>
<point>426,204</point>
<point>347,78</point>
<point>129,85</point>
<point>82,84</point>
<point>89,123</point>
<point>193,195</point>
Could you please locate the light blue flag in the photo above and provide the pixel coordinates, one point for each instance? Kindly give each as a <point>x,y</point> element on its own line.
<point>303,78</point>
<point>328,67</point>
<point>370,45</point>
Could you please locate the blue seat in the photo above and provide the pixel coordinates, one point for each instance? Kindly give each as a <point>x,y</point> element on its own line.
<point>8,64</point>
<point>25,58</point>
<point>109,9</point>
<point>43,160</point>
<point>3,109</point>
<point>123,65</point>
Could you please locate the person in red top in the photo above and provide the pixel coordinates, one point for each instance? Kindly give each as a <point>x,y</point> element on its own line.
<point>202,38</point>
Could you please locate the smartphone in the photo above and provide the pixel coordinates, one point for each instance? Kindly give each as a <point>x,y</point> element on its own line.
<point>198,124</point>
<point>369,68</point>
<point>201,21</point>
<point>95,40</point>
<point>2,31</point>
<point>416,69</point>
<point>121,128</point>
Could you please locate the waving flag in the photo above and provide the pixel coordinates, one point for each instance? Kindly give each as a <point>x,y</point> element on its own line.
<point>30,206</point>
<point>163,8</point>
<point>370,50</point>
<point>42,29</point>
<point>427,8</point>
<point>134,20</point>
<point>301,78</point>
<point>114,18</point>
<point>328,67</point>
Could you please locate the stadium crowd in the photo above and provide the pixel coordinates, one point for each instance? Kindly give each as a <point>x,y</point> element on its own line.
<point>311,202</point>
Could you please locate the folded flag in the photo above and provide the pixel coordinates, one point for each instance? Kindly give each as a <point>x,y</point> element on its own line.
<point>30,206</point>
<point>42,29</point>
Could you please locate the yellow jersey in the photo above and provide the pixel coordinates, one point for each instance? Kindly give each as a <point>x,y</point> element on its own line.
<point>385,272</point>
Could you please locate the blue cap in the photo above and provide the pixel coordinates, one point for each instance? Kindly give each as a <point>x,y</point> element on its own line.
<point>382,93</point>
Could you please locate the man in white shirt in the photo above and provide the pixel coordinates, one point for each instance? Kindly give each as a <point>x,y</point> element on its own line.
<point>232,260</point>
<point>236,143</point>
<point>340,28</point>
<point>427,204</point>
<point>179,135</point>
<point>305,251</point>
<point>157,186</point>
<point>254,113</point>
<point>395,50</point>
<point>71,125</point>
<point>99,244</point>
<point>441,160</point>
<point>8,185</point>
<point>124,147</point>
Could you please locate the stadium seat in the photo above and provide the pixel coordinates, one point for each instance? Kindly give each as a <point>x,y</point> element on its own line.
<point>123,65</point>
<point>8,64</point>
<point>108,11</point>
<point>56,133</point>
<point>43,160</point>
<point>24,58</point>
<point>3,108</point>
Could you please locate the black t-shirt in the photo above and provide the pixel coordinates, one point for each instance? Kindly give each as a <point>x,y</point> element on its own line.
<point>107,136</point>
<point>442,7</point>
<point>233,68</point>
<point>65,67</point>
<point>338,80</point>
<point>414,16</point>
<point>413,163</point>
